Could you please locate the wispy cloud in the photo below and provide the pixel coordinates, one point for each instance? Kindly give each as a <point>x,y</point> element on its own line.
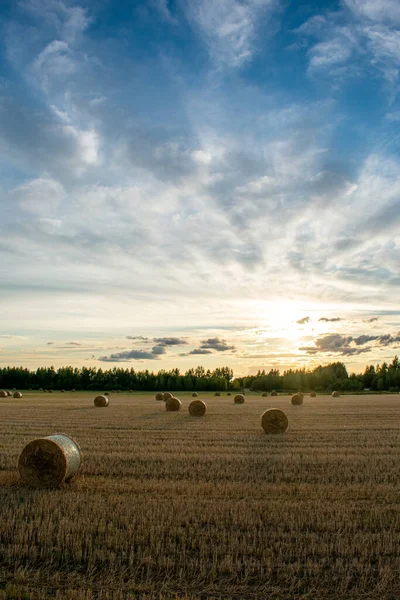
<point>229,27</point>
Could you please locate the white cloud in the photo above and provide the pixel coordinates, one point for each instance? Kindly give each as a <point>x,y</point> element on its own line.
<point>375,10</point>
<point>228,27</point>
<point>40,196</point>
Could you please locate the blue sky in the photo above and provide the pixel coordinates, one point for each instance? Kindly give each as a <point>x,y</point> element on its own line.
<point>224,175</point>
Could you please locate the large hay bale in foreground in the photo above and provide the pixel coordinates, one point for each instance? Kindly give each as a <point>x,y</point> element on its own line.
<point>17,395</point>
<point>274,393</point>
<point>159,396</point>
<point>297,399</point>
<point>49,461</point>
<point>197,408</point>
<point>274,421</point>
<point>101,401</point>
<point>167,396</point>
<point>335,395</point>
<point>173,404</point>
<point>194,395</point>
<point>239,399</point>
<point>3,394</point>
<point>264,395</point>
<point>313,394</point>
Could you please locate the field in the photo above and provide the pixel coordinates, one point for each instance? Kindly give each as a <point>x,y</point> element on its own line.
<point>171,506</point>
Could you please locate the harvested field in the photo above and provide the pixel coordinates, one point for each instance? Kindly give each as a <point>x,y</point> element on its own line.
<point>170,507</point>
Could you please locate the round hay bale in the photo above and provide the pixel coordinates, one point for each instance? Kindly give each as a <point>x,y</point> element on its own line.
<point>41,390</point>
<point>297,399</point>
<point>274,393</point>
<point>118,391</point>
<point>49,461</point>
<point>62,391</point>
<point>172,404</point>
<point>159,396</point>
<point>217,394</point>
<point>197,408</point>
<point>106,394</point>
<point>167,396</point>
<point>335,395</point>
<point>10,393</point>
<point>72,390</point>
<point>313,394</point>
<point>239,399</point>
<point>17,395</point>
<point>50,391</point>
<point>3,394</point>
<point>229,394</point>
<point>194,395</point>
<point>274,421</point>
<point>101,401</point>
<point>264,395</point>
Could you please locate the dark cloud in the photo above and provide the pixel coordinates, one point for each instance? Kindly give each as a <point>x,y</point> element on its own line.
<point>170,341</point>
<point>199,351</point>
<point>371,320</point>
<point>158,350</point>
<point>129,355</point>
<point>349,345</point>
<point>50,343</point>
<point>303,321</point>
<point>73,344</point>
<point>137,337</point>
<point>332,320</point>
<point>217,344</point>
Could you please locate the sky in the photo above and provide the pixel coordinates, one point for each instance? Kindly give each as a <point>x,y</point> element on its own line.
<point>191,182</point>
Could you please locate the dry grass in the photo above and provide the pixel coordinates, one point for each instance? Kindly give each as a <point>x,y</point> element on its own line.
<point>166,506</point>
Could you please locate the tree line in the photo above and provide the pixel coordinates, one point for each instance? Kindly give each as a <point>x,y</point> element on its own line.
<point>384,377</point>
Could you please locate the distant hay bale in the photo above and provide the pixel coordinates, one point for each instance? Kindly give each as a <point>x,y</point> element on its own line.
<point>194,395</point>
<point>172,404</point>
<point>159,396</point>
<point>118,391</point>
<point>229,394</point>
<point>50,391</point>
<point>274,421</point>
<point>335,395</point>
<point>239,399</point>
<point>17,395</point>
<point>313,394</point>
<point>101,401</point>
<point>40,389</point>
<point>49,461</point>
<point>217,394</point>
<point>106,394</point>
<point>264,395</point>
<point>62,391</point>
<point>72,390</point>
<point>274,393</point>
<point>9,393</point>
<point>167,396</point>
<point>3,394</point>
<point>197,408</point>
<point>297,399</point>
